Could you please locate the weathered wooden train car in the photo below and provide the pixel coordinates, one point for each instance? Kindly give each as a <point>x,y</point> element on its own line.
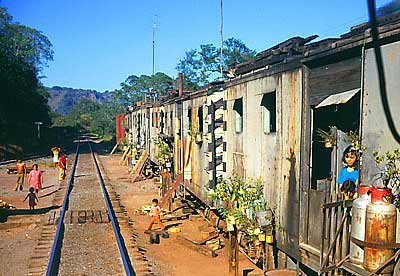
<point>264,123</point>
<point>185,120</point>
<point>275,107</point>
<point>264,129</point>
<point>341,90</point>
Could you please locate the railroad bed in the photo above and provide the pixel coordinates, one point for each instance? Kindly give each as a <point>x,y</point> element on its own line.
<point>88,239</point>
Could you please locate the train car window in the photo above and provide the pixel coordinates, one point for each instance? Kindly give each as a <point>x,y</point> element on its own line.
<point>268,104</point>
<point>238,113</point>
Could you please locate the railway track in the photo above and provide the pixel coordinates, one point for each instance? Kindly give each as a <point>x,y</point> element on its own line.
<point>92,234</point>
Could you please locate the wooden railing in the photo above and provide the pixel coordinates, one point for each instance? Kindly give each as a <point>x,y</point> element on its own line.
<point>335,236</point>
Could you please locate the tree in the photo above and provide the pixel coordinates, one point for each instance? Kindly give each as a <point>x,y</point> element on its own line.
<point>202,66</point>
<point>23,52</point>
<point>134,88</point>
<point>23,43</point>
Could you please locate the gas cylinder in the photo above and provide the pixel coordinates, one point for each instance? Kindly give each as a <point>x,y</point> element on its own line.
<point>358,213</point>
<point>380,230</point>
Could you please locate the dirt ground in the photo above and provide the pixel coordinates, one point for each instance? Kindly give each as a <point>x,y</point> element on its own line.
<point>170,257</point>
<point>19,234</point>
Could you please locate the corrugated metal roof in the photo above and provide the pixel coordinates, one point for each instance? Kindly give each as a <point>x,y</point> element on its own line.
<point>340,98</point>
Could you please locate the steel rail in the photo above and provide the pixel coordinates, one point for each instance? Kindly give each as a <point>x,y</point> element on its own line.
<point>52,267</point>
<point>121,245</point>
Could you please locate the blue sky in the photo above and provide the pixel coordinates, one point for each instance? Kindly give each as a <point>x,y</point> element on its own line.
<point>97,43</point>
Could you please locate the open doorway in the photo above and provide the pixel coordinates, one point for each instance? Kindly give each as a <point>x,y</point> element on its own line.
<point>342,118</point>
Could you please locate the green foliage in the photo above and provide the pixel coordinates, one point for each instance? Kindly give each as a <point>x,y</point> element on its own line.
<point>241,200</point>
<point>327,136</point>
<point>134,88</point>
<point>202,66</point>
<point>91,116</point>
<point>353,138</point>
<point>389,165</point>
<point>23,52</point>
<point>23,43</point>
<point>164,152</point>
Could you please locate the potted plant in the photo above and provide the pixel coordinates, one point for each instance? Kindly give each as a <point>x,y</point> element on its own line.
<point>389,166</point>
<point>242,201</point>
<point>328,137</point>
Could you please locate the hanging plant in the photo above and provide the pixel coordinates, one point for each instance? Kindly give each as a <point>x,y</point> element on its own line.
<point>328,137</point>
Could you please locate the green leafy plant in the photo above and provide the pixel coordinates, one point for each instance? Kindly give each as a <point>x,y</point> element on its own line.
<point>193,130</point>
<point>353,138</point>
<point>164,152</point>
<point>241,200</point>
<point>389,166</point>
<point>328,137</point>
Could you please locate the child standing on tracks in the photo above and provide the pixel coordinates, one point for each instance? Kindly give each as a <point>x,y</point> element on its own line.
<point>21,171</point>
<point>35,178</point>
<point>55,151</point>
<point>155,214</point>
<point>32,198</point>
<point>62,165</point>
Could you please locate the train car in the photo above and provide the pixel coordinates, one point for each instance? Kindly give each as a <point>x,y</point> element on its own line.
<point>264,130</point>
<point>276,106</point>
<point>265,122</point>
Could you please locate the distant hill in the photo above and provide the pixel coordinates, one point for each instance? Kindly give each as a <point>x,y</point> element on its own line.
<point>62,99</point>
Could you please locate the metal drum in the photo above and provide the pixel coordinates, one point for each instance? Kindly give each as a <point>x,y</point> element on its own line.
<point>358,213</point>
<point>380,230</point>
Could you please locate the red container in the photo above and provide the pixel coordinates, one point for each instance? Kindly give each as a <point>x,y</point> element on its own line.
<point>379,194</point>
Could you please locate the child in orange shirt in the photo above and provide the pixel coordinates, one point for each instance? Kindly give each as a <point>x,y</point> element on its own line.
<point>155,214</point>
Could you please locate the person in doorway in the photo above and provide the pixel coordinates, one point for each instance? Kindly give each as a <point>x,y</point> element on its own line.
<point>349,171</point>
<point>35,178</point>
<point>32,198</point>
<point>62,165</point>
<point>155,214</point>
<point>55,151</point>
<point>21,172</point>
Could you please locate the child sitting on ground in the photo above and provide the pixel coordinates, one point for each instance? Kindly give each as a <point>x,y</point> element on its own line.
<point>32,198</point>
<point>155,214</point>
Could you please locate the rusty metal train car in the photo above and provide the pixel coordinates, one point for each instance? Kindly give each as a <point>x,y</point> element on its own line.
<point>263,122</point>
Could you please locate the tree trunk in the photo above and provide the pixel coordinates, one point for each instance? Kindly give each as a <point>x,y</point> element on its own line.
<point>233,253</point>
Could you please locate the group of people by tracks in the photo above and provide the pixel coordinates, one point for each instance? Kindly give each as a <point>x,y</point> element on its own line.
<point>33,176</point>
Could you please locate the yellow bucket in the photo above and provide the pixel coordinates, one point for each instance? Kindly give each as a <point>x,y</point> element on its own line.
<point>269,239</point>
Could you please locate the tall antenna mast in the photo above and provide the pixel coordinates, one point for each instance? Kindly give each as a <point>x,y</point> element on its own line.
<point>154,34</point>
<point>221,34</point>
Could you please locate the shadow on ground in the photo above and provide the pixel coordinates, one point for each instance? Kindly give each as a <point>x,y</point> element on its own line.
<point>5,213</point>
